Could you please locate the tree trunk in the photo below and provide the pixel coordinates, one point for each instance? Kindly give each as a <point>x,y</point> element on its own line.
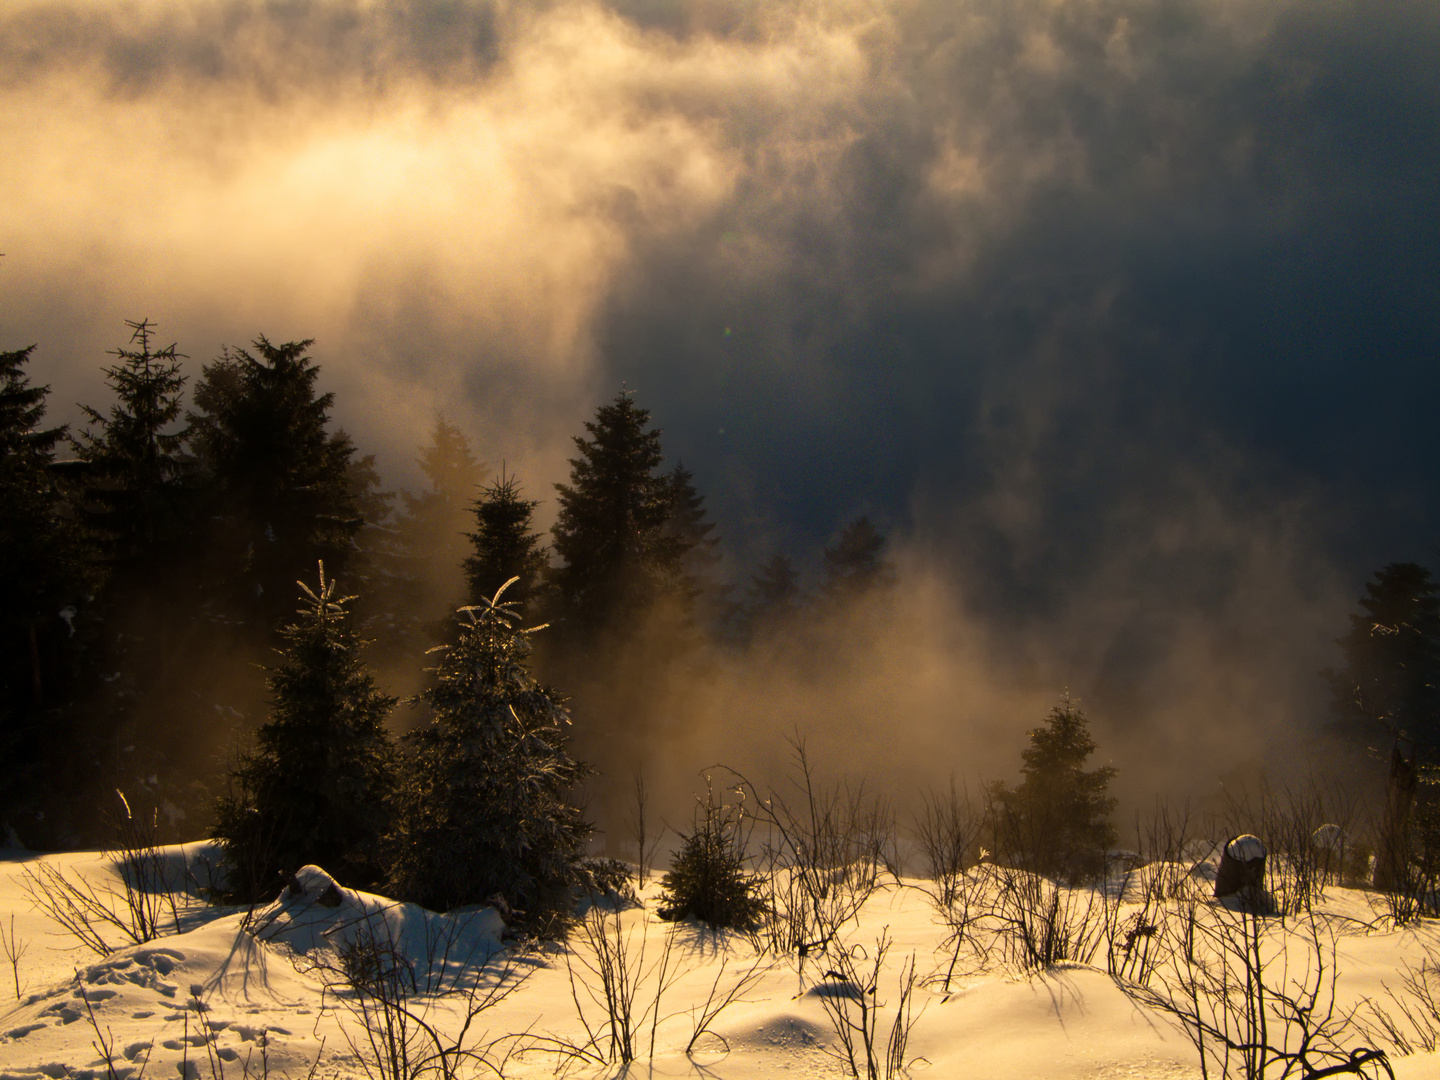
<point>1394,847</point>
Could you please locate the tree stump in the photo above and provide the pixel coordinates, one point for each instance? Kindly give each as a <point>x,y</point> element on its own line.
<point>1242,870</point>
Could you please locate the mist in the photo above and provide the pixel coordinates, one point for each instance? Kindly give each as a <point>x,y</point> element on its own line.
<point>1118,316</point>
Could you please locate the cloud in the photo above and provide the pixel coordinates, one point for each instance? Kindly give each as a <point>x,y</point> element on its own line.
<point>1121,312</point>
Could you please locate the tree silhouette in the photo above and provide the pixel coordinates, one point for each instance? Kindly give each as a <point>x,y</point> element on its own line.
<point>138,483</point>
<point>619,556</point>
<point>281,496</point>
<point>503,547</point>
<point>854,564</point>
<point>433,522</point>
<point>142,499</point>
<point>775,596</point>
<point>688,524</point>
<point>1390,682</point>
<point>46,566</point>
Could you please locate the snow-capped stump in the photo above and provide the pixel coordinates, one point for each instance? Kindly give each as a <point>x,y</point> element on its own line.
<point>314,884</point>
<point>1242,869</point>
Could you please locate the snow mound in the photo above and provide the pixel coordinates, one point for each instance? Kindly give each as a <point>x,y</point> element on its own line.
<point>183,869</point>
<point>318,919</point>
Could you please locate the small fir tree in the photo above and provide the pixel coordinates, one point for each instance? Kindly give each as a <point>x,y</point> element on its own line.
<point>1058,820</point>
<point>708,880</point>
<point>485,807</point>
<point>503,547</point>
<point>317,786</point>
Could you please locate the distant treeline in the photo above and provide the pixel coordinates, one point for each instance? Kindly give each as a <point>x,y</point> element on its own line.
<point>150,561</point>
<point>148,568</point>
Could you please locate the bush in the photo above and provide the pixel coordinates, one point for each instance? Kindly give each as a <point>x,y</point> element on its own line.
<point>708,879</point>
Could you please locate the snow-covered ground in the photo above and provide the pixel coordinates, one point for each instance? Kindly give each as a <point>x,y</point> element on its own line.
<point>230,992</point>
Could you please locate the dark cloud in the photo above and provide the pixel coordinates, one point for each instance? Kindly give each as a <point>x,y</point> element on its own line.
<point>1092,241</point>
<point>275,47</point>
<point>1121,316</point>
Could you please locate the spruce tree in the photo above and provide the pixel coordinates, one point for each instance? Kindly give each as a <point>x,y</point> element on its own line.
<point>46,567</point>
<point>855,565</point>
<point>1058,820</point>
<point>708,880</point>
<point>432,525</point>
<point>281,495</point>
<point>138,486</point>
<point>1389,686</point>
<point>774,595</point>
<point>694,544</point>
<point>316,788</point>
<point>503,547</point>
<point>141,499</point>
<point>486,804</point>
<point>377,558</point>
<point>618,554</point>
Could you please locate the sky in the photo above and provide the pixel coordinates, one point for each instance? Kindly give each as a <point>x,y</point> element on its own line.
<point>1120,316</point>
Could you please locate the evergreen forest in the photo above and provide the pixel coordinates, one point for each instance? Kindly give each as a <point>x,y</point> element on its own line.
<point>209,604</point>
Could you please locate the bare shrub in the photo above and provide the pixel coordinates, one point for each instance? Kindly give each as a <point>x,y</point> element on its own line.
<point>1250,1006</point>
<point>947,830</point>
<point>14,949</point>
<point>704,1014</point>
<point>102,917</point>
<point>646,844</point>
<point>966,917</point>
<point>1140,898</point>
<point>104,1044</point>
<point>1039,922</point>
<point>824,853</point>
<point>405,1020</point>
<point>1042,922</point>
<point>850,995</point>
<point>607,973</point>
<point>1415,1023</point>
<point>617,996</point>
